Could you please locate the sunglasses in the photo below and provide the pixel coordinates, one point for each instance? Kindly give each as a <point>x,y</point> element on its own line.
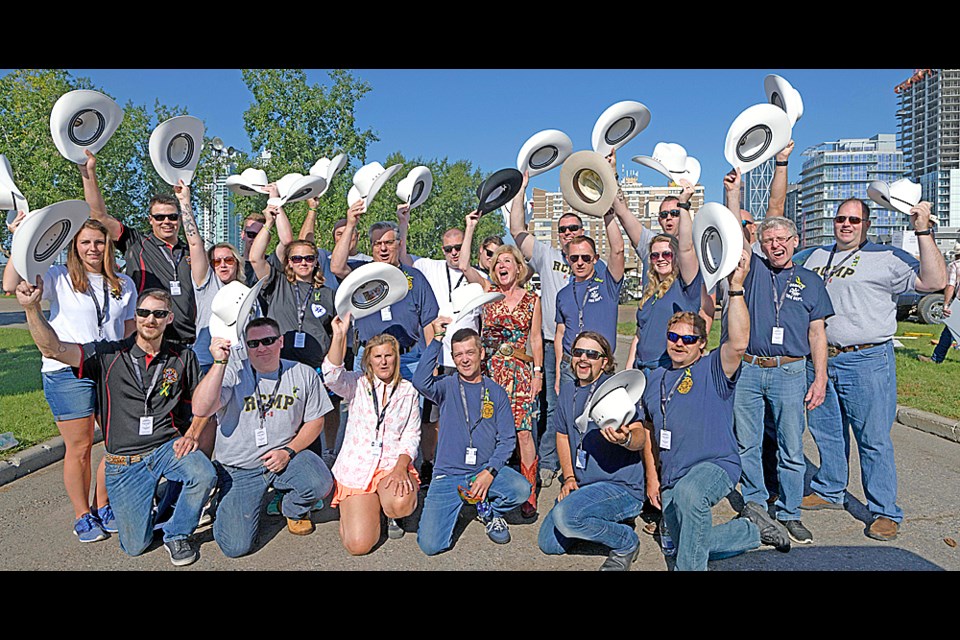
<point>670,212</point>
<point>452,247</point>
<point>747,223</point>
<point>852,219</point>
<point>666,255</point>
<point>160,217</point>
<point>159,314</point>
<point>299,259</point>
<point>251,234</point>
<point>569,227</point>
<point>575,259</point>
<point>229,261</point>
<point>688,340</point>
<point>253,344</point>
<point>589,354</point>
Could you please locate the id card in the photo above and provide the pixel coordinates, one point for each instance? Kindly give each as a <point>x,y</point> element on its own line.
<point>777,337</point>
<point>581,459</point>
<point>299,339</point>
<point>175,287</point>
<point>376,445</point>
<point>471,457</point>
<point>146,425</point>
<point>386,315</point>
<point>260,434</point>
<point>665,439</point>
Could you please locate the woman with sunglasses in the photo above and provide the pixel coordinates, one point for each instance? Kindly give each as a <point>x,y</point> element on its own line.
<point>374,470</point>
<point>508,325</point>
<point>221,266</point>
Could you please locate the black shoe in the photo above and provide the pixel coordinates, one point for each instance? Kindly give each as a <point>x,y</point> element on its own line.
<point>426,473</point>
<point>771,532</point>
<point>181,552</point>
<point>620,562</point>
<point>797,532</point>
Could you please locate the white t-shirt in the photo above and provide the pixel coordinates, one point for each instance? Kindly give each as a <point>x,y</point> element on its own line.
<point>444,280</point>
<point>73,315</point>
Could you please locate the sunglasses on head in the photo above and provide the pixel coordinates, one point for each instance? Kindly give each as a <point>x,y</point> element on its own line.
<point>159,314</point>
<point>851,219</point>
<point>570,227</point>
<point>576,258</point>
<point>589,354</point>
<point>688,340</point>
<point>269,340</point>
<point>452,247</point>
<point>228,260</point>
<point>666,255</point>
<point>160,217</point>
<point>308,259</point>
<point>670,212</point>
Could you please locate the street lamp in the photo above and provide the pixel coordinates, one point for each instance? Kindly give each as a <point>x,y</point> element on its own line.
<point>219,153</point>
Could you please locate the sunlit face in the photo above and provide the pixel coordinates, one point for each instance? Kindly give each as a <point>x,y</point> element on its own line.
<point>152,327</point>
<point>749,226</point>
<point>165,229</point>
<point>452,246</point>
<point>506,270</point>
<point>486,256</point>
<point>264,358</point>
<point>303,259</point>
<point>564,231</point>
<point>671,221</point>
<point>385,246</point>
<point>91,245</point>
<point>681,354</point>
<point>778,245</point>
<point>383,361</point>
<point>581,258</point>
<point>338,233</point>
<point>848,233</point>
<point>224,264</point>
<point>466,355</point>
<point>663,262</point>
<point>586,368</point>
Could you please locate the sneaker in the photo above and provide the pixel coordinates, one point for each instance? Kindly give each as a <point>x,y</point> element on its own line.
<point>813,502</point>
<point>108,521</point>
<point>273,509</point>
<point>771,532</point>
<point>181,552</point>
<point>317,506</point>
<point>884,529</point>
<point>426,473</point>
<point>300,527</point>
<point>394,530</point>
<point>923,358</point>
<point>797,532</point>
<point>88,529</point>
<point>546,477</point>
<point>497,530</point>
<point>620,561</point>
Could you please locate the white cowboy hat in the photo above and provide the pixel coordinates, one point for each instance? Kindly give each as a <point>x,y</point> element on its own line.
<point>175,148</point>
<point>498,189</point>
<point>469,297</point>
<point>369,288</point>
<point>588,183</point>
<point>368,180</point>
<point>544,151</point>
<point>416,187</point>
<point>618,125</point>
<point>782,94</point>
<point>718,240</point>
<point>250,182</point>
<point>294,187</point>
<point>614,403</point>
<point>83,119</point>
<point>901,195</point>
<point>231,309</point>
<point>756,135</point>
<point>672,160</point>
<point>11,198</point>
<point>328,169</point>
<point>44,234</point>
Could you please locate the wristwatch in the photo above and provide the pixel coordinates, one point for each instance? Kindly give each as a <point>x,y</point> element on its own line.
<point>735,293</point>
<point>928,232</point>
<point>492,471</point>
<point>289,451</point>
<point>683,205</point>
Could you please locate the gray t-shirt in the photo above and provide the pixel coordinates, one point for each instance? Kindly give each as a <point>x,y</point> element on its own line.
<point>205,294</point>
<point>554,275</point>
<point>300,397</point>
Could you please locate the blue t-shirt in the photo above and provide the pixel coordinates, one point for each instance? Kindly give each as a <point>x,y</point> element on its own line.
<point>802,298</point>
<point>590,305</point>
<point>494,436</point>
<point>409,316</point>
<point>604,461</point>
<point>699,418</point>
<point>330,280</point>
<point>653,316</point>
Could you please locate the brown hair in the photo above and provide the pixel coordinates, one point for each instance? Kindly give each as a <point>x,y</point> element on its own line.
<point>233,252</point>
<point>658,285</point>
<point>604,346</point>
<point>377,341</point>
<point>688,317</point>
<point>78,274</point>
<point>163,198</point>
<point>318,279</point>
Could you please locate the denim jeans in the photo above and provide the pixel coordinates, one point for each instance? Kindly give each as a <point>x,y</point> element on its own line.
<point>547,449</point>
<point>940,351</point>
<point>131,489</point>
<point>861,395</point>
<point>304,481</point>
<point>781,390</point>
<point>595,513</point>
<point>443,503</point>
<point>686,507</point>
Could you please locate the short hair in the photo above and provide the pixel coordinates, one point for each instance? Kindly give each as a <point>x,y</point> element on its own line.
<point>585,239</point>
<point>263,322</point>
<point>604,347</point>
<point>233,251</point>
<point>385,226</point>
<point>570,215</point>
<point>497,240</point>
<point>256,216</point>
<point>864,208</point>
<point>523,271</point>
<point>342,222</point>
<point>378,341</point>
<point>669,198</point>
<point>160,294</point>
<point>777,222</point>
<point>688,317</point>
<point>163,198</point>
<point>462,335</point>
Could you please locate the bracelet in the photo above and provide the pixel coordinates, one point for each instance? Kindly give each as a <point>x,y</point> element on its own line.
<point>923,233</point>
<point>569,478</point>
<point>735,293</point>
<point>221,361</point>
<point>289,451</point>
<point>626,442</point>
<point>780,164</point>
<point>537,368</point>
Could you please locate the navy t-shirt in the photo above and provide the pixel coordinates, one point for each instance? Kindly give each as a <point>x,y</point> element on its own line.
<point>590,305</point>
<point>605,461</point>
<point>408,317</point>
<point>653,316</point>
<point>699,418</point>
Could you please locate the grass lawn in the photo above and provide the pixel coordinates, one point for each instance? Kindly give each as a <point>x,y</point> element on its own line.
<point>23,408</point>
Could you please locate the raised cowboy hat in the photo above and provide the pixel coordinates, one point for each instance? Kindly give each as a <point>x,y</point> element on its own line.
<point>756,135</point>
<point>295,186</point>
<point>614,403</point>
<point>175,148</point>
<point>499,189</point>
<point>544,151</point>
<point>782,94</point>
<point>618,125</point>
<point>250,182</point>
<point>901,195</point>
<point>231,309</point>
<point>718,240</point>
<point>11,198</point>
<point>469,297</point>
<point>368,180</point>
<point>588,183</point>
<point>370,288</point>
<point>44,234</point>
<point>416,187</point>
<point>328,169</point>
<point>672,160</point>
<point>83,119</point>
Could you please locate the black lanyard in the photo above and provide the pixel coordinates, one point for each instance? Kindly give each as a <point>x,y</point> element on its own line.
<point>827,275</point>
<point>263,408</point>
<point>301,308</point>
<point>101,313</point>
<point>777,299</point>
<point>380,413</point>
<point>147,391</point>
<point>466,413</point>
<point>581,305</point>
<point>664,398</point>
<point>450,285</point>
<point>169,259</point>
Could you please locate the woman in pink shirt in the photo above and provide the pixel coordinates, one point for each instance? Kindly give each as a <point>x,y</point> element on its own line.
<point>374,470</point>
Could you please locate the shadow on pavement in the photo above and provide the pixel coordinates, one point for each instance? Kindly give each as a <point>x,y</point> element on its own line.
<point>827,558</point>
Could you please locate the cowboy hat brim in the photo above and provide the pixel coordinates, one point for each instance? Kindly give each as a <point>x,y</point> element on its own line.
<point>83,120</point>
<point>44,234</point>
<point>479,301</point>
<point>633,381</point>
<point>718,240</point>
<point>250,182</point>
<point>782,94</point>
<point>588,183</point>
<point>416,187</point>
<point>232,328</point>
<point>497,190</point>
<point>756,135</point>
<point>619,124</point>
<point>691,170</point>
<point>328,169</point>
<point>369,288</point>
<point>175,148</point>
<point>294,187</point>
<point>378,182</point>
<point>900,196</point>
<point>11,198</point>
<point>544,151</point>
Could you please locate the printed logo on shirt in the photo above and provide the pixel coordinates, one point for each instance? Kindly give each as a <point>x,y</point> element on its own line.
<point>487,411</point>
<point>842,272</point>
<point>318,310</point>
<point>410,283</point>
<point>795,290</point>
<point>281,402</point>
<point>593,294</point>
<point>169,378</point>
<point>561,267</point>
<point>686,384</point>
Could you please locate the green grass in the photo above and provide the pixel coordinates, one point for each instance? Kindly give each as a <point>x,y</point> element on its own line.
<point>23,408</point>
<point>930,387</point>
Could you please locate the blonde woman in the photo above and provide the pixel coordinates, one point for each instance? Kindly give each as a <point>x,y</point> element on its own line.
<point>374,471</point>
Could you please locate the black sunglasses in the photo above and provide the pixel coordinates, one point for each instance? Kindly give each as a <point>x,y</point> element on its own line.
<point>590,354</point>
<point>299,259</point>
<point>160,217</point>
<point>576,258</point>
<point>569,227</point>
<point>253,344</point>
<point>688,340</point>
<point>159,314</point>
<point>251,234</point>
<point>489,253</point>
<point>852,219</point>
<point>670,212</point>
<point>452,247</point>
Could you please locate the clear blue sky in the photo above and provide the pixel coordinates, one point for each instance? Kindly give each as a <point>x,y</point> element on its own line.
<point>485,115</point>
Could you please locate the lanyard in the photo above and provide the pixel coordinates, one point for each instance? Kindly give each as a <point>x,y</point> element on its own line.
<point>169,258</point>
<point>779,298</point>
<point>833,251</point>
<point>664,398</point>
<point>147,391</point>
<point>101,313</point>
<point>583,421</point>
<point>466,413</point>
<point>380,413</point>
<point>450,285</point>
<point>263,408</point>
<point>581,305</point>
<point>301,308</point>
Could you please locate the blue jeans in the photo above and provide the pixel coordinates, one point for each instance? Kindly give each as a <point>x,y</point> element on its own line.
<point>861,395</point>
<point>305,480</point>
<point>131,489</point>
<point>595,513</point>
<point>443,503</point>
<point>686,507</point>
<point>940,351</point>
<point>781,389</point>
<point>548,442</point>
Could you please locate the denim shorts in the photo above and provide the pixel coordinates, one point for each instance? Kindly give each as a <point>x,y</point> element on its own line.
<point>69,397</point>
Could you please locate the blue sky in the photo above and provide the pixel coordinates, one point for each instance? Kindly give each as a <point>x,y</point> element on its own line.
<point>485,115</point>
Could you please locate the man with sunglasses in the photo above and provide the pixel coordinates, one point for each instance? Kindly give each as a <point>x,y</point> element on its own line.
<point>864,280</point>
<point>144,387</point>
<point>269,410</point>
<point>251,227</point>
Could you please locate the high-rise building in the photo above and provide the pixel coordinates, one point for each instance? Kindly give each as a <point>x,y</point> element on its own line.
<point>218,220</point>
<point>842,169</point>
<point>928,133</point>
<point>791,208</point>
<point>755,189</point>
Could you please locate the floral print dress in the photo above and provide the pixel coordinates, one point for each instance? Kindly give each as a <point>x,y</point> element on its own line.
<point>505,331</point>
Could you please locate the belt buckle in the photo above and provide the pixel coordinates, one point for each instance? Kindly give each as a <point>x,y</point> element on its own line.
<point>832,351</point>
<point>506,350</point>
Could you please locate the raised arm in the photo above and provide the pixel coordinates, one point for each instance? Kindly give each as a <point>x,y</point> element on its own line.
<point>40,330</point>
<point>403,227</point>
<point>778,188</point>
<point>518,229</point>
<point>284,228</point>
<point>731,187</point>
<point>933,269</point>
<point>738,319</point>
<point>308,228</point>
<point>689,266</point>
<point>94,197</point>
<point>470,227</point>
<point>258,249</point>
<point>615,243</point>
<point>341,251</point>
<point>206,397</point>
<point>199,264</point>
<point>423,379</point>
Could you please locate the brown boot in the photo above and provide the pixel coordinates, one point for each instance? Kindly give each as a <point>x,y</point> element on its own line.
<point>529,508</point>
<point>883,528</point>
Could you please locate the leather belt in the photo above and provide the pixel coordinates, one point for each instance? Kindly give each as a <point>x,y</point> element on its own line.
<point>769,362</point>
<point>833,350</point>
<point>507,351</point>
<point>122,460</point>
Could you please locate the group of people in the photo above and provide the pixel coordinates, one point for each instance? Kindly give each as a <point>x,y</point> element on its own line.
<point>446,400</point>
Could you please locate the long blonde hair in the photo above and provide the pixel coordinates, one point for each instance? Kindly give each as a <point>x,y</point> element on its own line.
<point>658,285</point>
<point>377,341</point>
<point>318,279</point>
<point>78,273</point>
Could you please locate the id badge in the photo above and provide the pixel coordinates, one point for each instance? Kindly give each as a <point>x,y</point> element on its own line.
<point>376,445</point>
<point>386,315</point>
<point>260,434</point>
<point>299,339</point>
<point>471,457</point>
<point>665,439</point>
<point>175,287</point>
<point>581,459</point>
<point>777,337</point>
<point>146,425</point>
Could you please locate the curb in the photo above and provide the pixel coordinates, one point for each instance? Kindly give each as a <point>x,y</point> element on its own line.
<point>929,422</point>
<point>37,457</point>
